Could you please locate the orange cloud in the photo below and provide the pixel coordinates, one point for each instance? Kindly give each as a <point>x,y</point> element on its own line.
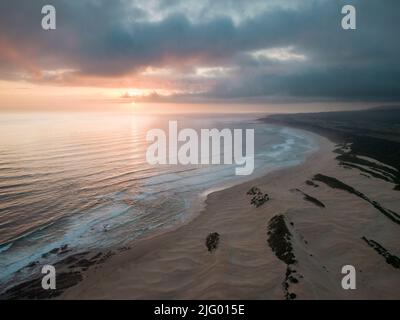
<point>11,55</point>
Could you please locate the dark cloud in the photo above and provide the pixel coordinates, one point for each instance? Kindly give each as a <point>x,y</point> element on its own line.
<point>110,39</point>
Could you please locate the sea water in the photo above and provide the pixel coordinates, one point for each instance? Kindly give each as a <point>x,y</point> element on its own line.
<point>82,179</point>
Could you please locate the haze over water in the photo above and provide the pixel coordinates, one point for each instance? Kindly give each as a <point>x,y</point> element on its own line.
<point>82,179</point>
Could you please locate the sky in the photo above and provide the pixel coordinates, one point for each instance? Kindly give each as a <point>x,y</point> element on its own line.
<point>225,55</point>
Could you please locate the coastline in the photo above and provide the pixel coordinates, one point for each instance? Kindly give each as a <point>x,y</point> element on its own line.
<point>164,258</point>
<point>245,265</point>
<point>63,253</point>
<point>72,265</point>
<point>325,228</point>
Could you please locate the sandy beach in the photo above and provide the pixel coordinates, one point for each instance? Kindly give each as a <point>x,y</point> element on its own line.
<point>325,230</point>
<point>200,150</point>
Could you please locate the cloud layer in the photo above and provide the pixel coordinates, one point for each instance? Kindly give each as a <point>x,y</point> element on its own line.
<point>207,50</point>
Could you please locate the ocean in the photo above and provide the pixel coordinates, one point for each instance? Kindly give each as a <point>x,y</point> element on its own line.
<point>82,180</point>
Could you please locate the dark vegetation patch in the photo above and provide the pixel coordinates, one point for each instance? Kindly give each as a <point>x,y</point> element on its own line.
<point>373,133</point>
<point>289,278</point>
<point>363,170</point>
<point>279,239</point>
<point>212,241</point>
<point>258,198</point>
<point>390,258</point>
<point>337,184</point>
<point>376,170</point>
<point>311,199</point>
<point>311,183</point>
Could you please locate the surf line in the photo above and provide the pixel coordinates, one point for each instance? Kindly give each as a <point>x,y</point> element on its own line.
<point>195,149</point>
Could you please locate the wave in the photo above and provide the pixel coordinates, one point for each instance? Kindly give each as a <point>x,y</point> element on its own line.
<point>5,247</point>
<point>67,194</point>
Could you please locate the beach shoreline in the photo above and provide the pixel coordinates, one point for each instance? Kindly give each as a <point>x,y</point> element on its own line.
<point>206,220</point>
<point>325,228</point>
<point>246,264</point>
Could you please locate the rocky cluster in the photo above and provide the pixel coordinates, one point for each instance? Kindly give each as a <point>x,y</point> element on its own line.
<point>258,198</point>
